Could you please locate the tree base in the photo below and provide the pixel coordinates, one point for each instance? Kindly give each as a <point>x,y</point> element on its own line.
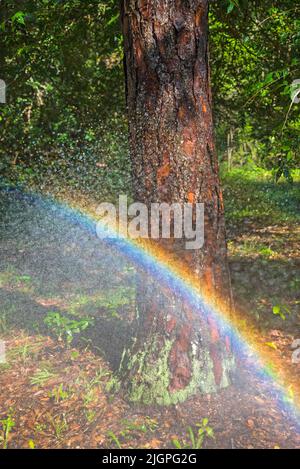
<point>149,375</point>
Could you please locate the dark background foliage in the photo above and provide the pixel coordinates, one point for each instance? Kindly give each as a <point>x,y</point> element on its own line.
<point>64,120</point>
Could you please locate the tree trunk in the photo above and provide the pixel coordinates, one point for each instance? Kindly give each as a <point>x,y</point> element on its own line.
<point>176,352</point>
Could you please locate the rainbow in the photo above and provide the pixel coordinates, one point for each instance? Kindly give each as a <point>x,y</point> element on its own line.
<point>246,339</point>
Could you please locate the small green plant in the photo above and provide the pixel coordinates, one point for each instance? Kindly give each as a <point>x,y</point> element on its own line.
<point>96,380</point>
<point>113,437</point>
<point>59,424</point>
<point>196,438</point>
<point>7,425</point>
<point>40,427</point>
<point>112,301</point>
<point>113,385</point>
<point>281,311</point>
<point>90,386</point>
<point>143,426</point>
<point>132,429</point>
<point>24,351</point>
<point>151,424</point>
<point>89,396</point>
<point>41,377</point>
<point>64,327</point>
<point>12,279</point>
<point>59,394</point>
<point>295,284</point>
<point>74,354</point>
<point>100,374</point>
<point>90,415</point>
<point>23,278</point>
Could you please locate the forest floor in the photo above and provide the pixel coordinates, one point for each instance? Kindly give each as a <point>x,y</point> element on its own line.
<point>55,395</point>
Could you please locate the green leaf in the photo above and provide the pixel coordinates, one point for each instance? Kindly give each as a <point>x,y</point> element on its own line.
<point>230,7</point>
<point>232,4</point>
<point>18,17</point>
<point>192,436</point>
<point>176,443</point>
<point>210,432</point>
<point>113,19</point>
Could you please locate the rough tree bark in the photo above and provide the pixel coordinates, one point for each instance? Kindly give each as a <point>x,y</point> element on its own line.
<point>175,352</point>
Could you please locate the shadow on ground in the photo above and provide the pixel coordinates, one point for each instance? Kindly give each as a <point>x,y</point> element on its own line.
<point>52,263</point>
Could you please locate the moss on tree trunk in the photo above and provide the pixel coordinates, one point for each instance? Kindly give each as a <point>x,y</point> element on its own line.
<point>177,351</point>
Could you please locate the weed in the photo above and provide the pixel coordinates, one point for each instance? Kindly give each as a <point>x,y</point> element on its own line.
<point>282,311</point>
<point>41,377</point>
<point>7,425</point>
<point>74,354</point>
<point>114,439</point>
<point>196,438</point>
<point>59,394</point>
<point>10,278</point>
<point>89,396</point>
<point>40,427</point>
<point>24,351</point>
<point>90,415</point>
<point>64,327</point>
<point>111,301</point>
<point>144,426</point>
<point>113,385</point>
<point>59,425</point>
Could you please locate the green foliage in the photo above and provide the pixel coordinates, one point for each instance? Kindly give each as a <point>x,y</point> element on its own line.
<point>62,62</point>
<point>232,4</point>
<point>59,424</point>
<point>113,301</point>
<point>113,437</point>
<point>255,60</point>
<point>64,123</point>
<point>113,385</point>
<point>281,310</point>
<point>59,394</point>
<point>7,425</point>
<point>196,437</point>
<point>64,327</point>
<point>41,377</point>
<point>132,429</point>
<point>251,194</point>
